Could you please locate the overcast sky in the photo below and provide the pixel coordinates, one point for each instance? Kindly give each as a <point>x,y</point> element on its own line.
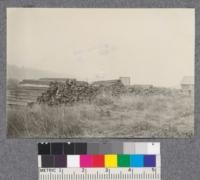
<point>152,46</point>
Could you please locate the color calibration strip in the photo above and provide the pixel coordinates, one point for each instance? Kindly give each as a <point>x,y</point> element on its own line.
<point>99,161</point>
<point>104,155</point>
<point>92,161</point>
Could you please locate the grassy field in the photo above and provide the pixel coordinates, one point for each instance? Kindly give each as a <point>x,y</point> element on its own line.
<point>126,117</point>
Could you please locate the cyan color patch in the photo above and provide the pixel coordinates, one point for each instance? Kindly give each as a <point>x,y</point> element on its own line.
<point>137,160</point>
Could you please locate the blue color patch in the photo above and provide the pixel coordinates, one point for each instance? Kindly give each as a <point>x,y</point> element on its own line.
<point>149,161</point>
<point>137,160</point>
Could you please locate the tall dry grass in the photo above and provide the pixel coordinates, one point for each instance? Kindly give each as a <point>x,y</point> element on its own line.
<point>43,121</point>
<point>125,116</point>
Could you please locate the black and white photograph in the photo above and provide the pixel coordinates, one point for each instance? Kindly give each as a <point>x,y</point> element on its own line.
<point>100,73</point>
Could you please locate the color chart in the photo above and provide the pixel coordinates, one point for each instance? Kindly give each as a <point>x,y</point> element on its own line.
<point>79,160</point>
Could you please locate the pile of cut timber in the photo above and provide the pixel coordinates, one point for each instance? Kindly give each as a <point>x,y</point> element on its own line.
<point>72,91</point>
<point>69,92</point>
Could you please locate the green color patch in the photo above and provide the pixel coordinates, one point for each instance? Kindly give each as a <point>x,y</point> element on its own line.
<point>123,160</point>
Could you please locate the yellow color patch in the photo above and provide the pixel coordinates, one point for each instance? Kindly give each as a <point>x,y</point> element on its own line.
<point>110,161</point>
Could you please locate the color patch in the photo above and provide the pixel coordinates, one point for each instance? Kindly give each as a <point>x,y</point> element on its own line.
<point>73,161</point>
<point>140,148</point>
<point>86,161</point>
<point>80,148</point>
<point>117,148</point>
<point>47,161</point>
<point>149,161</point>
<point>153,148</point>
<point>123,160</point>
<point>98,160</point>
<point>44,148</point>
<point>158,161</point>
<point>57,148</point>
<point>69,148</point>
<point>137,160</point>
<point>110,160</point>
<point>60,161</point>
<point>105,148</point>
<point>39,161</point>
<point>128,148</point>
<point>93,148</point>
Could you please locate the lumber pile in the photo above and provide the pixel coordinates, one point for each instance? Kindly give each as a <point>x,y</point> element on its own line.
<point>72,91</point>
<point>69,92</point>
<point>22,96</point>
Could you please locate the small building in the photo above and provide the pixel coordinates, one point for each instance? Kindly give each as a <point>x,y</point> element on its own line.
<point>126,81</point>
<point>187,85</point>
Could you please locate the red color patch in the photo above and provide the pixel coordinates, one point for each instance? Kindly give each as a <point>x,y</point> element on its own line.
<point>98,160</point>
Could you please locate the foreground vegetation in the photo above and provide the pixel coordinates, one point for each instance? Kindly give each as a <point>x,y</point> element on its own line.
<point>125,116</point>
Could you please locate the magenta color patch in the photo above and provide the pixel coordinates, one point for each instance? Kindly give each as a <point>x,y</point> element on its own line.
<point>85,160</point>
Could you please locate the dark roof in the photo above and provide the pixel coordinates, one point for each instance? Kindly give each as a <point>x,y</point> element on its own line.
<point>44,81</point>
<point>55,79</point>
<point>33,81</point>
<point>106,82</point>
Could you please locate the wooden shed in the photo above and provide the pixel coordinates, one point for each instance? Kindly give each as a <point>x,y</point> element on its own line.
<point>187,85</point>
